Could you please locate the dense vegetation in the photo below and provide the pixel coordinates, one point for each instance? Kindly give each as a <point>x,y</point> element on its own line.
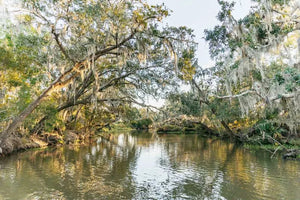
<point>84,64</point>
<point>252,92</point>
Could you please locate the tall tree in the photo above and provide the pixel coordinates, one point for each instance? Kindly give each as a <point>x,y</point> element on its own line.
<point>258,60</point>
<point>97,47</point>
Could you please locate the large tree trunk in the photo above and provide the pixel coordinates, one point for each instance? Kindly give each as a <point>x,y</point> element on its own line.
<point>8,142</point>
<point>61,81</point>
<point>19,119</point>
<point>224,124</point>
<point>213,111</point>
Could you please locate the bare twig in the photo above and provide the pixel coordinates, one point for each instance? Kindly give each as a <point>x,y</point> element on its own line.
<point>275,151</point>
<point>56,37</point>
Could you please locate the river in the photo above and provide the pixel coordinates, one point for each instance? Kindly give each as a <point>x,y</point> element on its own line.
<point>149,166</point>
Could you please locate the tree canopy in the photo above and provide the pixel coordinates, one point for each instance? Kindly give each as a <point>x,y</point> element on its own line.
<point>78,58</point>
<point>254,85</point>
<point>85,63</point>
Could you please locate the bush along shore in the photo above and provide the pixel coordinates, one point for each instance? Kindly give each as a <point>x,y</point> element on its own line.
<point>42,138</point>
<point>184,124</point>
<point>290,148</point>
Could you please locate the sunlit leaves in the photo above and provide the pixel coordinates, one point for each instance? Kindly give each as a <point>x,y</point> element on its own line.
<point>119,51</point>
<point>187,64</point>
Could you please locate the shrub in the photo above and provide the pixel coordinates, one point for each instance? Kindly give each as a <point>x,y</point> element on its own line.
<point>141,124</point>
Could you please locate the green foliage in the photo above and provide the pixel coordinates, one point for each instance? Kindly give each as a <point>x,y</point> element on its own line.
<point>267,127</point>
<point>274,2</point>
<point>183,104</point>
<point>289,77</point>
<point>255,71</point>
<point>235,65</point>
<point>187,64</point>
<point>24,98</point>
<point>226,10</point>
<point>226,110</point>
<point>280,2</point>
<point>217,39</point>
<point>256,75</point>
<point>279,78</point>
<point>131,114</point>
<point>138,58</point>
<point>142,124</point>
<point>53,121</point>
<point>168,128</point>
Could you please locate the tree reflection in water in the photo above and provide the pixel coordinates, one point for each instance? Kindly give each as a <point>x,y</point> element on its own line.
<point>145,165</point>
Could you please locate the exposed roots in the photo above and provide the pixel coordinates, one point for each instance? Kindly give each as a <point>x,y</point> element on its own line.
<point>15,143</point>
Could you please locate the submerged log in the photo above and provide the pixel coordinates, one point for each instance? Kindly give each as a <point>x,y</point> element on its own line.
<point>291,154</point>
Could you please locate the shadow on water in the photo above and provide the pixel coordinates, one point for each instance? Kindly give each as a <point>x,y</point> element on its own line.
<point>147,166</point>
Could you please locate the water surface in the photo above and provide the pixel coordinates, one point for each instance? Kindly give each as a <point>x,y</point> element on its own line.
<point>148,166</point>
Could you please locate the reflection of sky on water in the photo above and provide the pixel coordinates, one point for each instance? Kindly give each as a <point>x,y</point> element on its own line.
<point>150,176</point>
<point>147,166</point>
<point>155,177</point>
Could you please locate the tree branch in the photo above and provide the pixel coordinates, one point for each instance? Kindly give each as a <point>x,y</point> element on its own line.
<point>56,35</point>
<point>237,95</point>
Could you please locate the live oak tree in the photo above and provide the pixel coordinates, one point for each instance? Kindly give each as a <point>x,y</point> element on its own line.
<point>253,89</point>
<point>101,54</point>
<point>257,64</point>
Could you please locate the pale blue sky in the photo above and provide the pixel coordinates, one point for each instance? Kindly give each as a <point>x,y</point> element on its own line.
<point>199,15</point>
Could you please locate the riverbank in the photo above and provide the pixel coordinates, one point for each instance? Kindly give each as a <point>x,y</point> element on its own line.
<point>18,143</point>
<point>146,166</point>
<point>289,148</point>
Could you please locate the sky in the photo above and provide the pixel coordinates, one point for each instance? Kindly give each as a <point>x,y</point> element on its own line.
<point>197,15</point>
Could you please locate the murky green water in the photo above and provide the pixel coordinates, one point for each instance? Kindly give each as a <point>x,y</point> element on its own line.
<point>146,166</point>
